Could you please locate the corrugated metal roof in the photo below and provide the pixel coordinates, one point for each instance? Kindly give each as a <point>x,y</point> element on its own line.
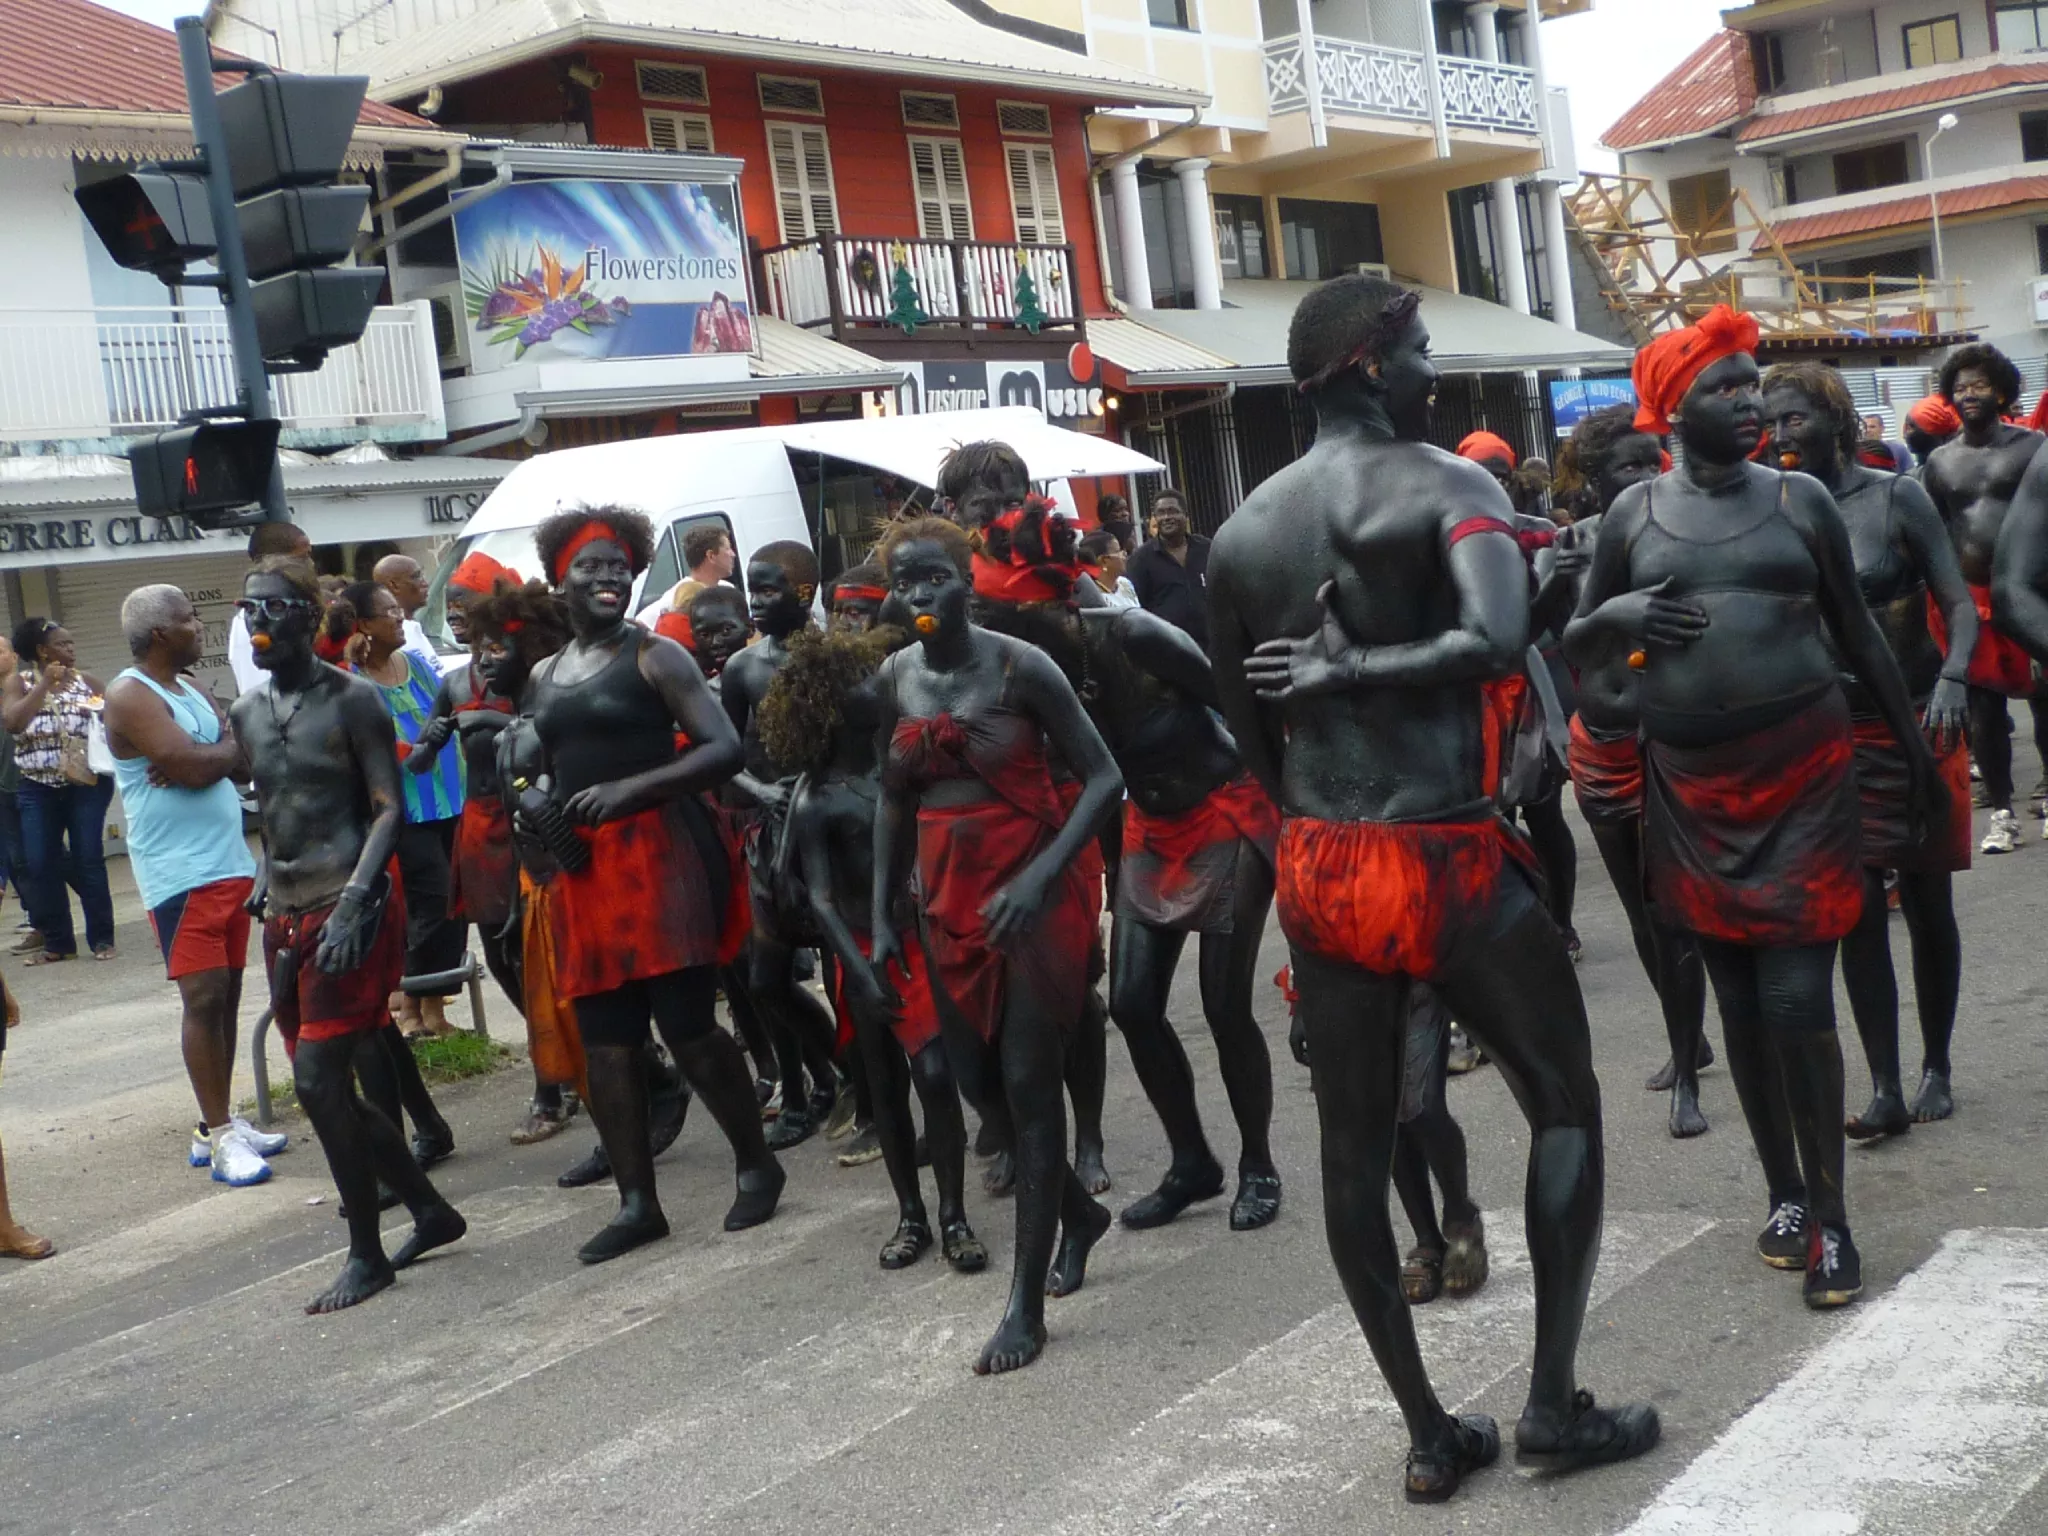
<point>1712,89</point>
<point>1928,93</point>
<point>1905,211</point>
<point>84,57</point>
<point>1140,350</point>
<point>920,37</point>
<point>791,352</point>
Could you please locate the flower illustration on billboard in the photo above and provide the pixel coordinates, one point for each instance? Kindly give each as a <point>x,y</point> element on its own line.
<point>528,308</point>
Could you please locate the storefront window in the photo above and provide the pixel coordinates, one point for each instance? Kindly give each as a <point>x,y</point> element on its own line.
<point>1323,239</point>
<point>1241,236</point>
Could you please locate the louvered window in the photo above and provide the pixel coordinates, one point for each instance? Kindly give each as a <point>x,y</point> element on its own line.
<point>1029,118</point>
<point>672,82</point>
<point>783,93</point>
<point>689,131</point>
<point>801,162</point>
<point>1035,194</point>
<point>928,109</point>
<point>938,169</point>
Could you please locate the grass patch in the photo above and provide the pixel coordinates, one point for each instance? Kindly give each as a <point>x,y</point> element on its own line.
<point>443,1059</point>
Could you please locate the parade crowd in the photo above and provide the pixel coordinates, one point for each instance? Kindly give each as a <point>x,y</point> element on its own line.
<point>1761,650</point>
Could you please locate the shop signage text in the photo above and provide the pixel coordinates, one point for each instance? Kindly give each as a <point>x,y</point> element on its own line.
<point>54,534</point>
<point>1048,386</point>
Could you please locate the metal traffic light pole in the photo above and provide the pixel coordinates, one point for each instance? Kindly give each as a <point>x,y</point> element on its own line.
<point>195,51</point>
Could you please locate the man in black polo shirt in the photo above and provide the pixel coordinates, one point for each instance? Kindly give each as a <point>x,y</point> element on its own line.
<point>1170,571</point>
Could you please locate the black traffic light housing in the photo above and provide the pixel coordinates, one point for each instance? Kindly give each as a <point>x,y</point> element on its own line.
<point>151,220</point>
<point>204,471</point>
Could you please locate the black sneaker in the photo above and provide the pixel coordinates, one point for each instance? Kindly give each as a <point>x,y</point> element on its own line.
<point>1834,1270</point>
<point>1784,1240</point>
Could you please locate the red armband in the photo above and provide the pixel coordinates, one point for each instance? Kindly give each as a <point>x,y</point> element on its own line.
<point>1472,525</point>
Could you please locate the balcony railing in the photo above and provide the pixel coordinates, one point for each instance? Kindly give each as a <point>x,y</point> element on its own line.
<point>98,375</point>
<point>865,286</point>
<point>1366,80</point>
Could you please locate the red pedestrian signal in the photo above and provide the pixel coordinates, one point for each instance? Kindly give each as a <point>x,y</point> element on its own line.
<point>209,473</point>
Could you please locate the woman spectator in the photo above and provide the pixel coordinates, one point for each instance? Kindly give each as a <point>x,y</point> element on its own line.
<point>1102,551</point>
<point>51,707</point>
<point>433,799</point>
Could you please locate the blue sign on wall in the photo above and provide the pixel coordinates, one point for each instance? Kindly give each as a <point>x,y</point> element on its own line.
<point>1573,400</point>
<point>590,269</point>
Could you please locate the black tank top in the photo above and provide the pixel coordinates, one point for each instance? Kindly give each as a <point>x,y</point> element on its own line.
<point>610,727</point>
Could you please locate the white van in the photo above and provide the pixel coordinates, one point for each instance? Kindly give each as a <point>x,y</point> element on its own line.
<point>813,483</point>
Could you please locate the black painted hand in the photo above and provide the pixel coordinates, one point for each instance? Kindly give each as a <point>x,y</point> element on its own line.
<point>599,803</point>
<point>888,946</point>
<point>1927,801</point>
<point>424,751</point>
<point>1013,909</point>
<point>1297,1038</point>
<point>1301,668</point>
<point>1948,715</point>
<point>869,993</point>
<point>346,935</point>
<point>1655,619</point>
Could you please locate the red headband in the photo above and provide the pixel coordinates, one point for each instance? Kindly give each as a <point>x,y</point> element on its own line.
<point>859,594</point>
<point>480,574</point>
<point>597,528</point>
<point>1668,367</point>
<point>1481,446</point>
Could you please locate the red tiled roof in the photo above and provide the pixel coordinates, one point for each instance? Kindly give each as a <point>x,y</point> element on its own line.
<point>76,55</point>
<point>1999,77</point>
<point>1901,212</point>
<point>1711,89</point>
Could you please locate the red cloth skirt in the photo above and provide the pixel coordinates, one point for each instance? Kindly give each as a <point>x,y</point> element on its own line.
<point>1757,841</point>
<point>644,906</point>
<point>917,1026</point>
<point>1999,663</point>
<point>739,904</point>
<point>318,1006</point>
<point>967,853</point>
<point>1881,783</point>
<point>1607,773</point>
<point>1502,697</point>
<point>1181,871</point>
<point>483,873</point>
<point>1393,897</point>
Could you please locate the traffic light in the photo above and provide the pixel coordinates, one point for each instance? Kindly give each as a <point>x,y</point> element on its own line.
<point>286,136</point>
<point>204,472</point>
<point>152,221</point>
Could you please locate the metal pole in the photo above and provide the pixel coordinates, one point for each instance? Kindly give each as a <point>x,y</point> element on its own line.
<point>1934,209</point>
<point>195,52</point>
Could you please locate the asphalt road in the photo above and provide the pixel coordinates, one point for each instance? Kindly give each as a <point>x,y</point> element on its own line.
<point>159,1376</point>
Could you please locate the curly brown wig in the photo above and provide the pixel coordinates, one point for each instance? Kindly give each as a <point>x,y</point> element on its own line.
<point>635,532</point>
<point>948,536</point>
<point>1585,455</point>
<point>532,617</point>
<point>805,706</point>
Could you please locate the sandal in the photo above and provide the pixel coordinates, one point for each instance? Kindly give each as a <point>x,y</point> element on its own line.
<point>1589,1437</point>
<point>967,1253</point>
<point>104,952</point>
<point>907,1246</point>
<point>49,957</point>
<point>1433,1476</point>
<point>1422,1275</point>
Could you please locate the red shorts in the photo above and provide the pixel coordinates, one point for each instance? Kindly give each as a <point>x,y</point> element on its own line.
<point>1395,897</point>
<point>205,928</point>
<point>644,906</point>
<point>1881,784</point>
<point>323,1007</point>
<point>1180,871</point>
<point>1607,773</point>
<point>1999,663</point>
<point>1756,841</point>
<point>917,1026</point>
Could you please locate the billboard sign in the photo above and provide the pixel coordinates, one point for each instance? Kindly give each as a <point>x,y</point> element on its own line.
<point>575,270</point>
<point>1573,400</point>
<point>960,386</point>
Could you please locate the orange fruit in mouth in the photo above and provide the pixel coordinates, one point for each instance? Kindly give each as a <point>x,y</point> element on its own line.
<point>1638,660</point>
<point>927,625</point>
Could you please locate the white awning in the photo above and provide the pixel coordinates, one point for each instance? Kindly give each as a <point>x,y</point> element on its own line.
<point>1467,335</point>
<point>911,447</point>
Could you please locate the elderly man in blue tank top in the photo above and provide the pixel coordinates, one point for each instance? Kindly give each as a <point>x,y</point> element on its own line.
<point>174,755</point>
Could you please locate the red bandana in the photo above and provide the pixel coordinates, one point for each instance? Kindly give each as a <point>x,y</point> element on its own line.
<point>1669,366</point>
<point>480,574</point>
<point>597,528</point>
<point>1936,417</point>
<point>1481,446</point>
<point>1020,578</point>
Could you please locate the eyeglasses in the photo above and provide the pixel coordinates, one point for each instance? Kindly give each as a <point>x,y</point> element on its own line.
<point>272,608</point>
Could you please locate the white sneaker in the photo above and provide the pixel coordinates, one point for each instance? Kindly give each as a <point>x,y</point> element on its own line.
<point>264,1143</point>
<point>2004,835</point>
<point>200,1153</point>
<point>235,1163</point>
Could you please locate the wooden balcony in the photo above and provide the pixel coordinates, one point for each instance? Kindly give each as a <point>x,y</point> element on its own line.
<point>881,291</point>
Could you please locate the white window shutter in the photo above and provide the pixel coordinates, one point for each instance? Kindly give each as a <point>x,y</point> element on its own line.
<point>801,162</point>
<point>1035,195</point>
<point>938,171</point>
<point>687,131</point>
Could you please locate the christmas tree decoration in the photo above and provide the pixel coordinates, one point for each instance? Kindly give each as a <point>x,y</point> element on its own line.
<point>905,310</point>
<point>1029,315</point>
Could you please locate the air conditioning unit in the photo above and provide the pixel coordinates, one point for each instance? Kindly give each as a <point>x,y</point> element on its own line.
<point>451,325</point>
<point>1378,269</point>
<point>2037,290</point>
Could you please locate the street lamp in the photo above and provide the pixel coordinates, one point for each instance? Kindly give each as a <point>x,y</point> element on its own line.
<point>1946,121</point>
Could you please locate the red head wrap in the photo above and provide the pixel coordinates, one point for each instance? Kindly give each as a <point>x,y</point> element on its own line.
<point>1669,366</point>
<point>480,574</point>
<point>1481,446</point>
<point>1026,575</point>
<point>1936,417</point>
<point>859,594</point>
<point>597,528</point>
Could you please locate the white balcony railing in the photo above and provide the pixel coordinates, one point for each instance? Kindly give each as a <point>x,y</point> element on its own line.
<point>848,283</point>
<point>103,374</point>
<point>1366,80</point>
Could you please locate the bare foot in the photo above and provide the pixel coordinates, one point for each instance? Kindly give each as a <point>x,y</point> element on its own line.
<point>20,1243</point>
<point>440,1226</point>
<point>359,1280</point>
<point>1089,1170</point>
<point>999,1178</point>
<point>1933,1101</point>
<point>1015,1345</point>
<point>1070,1264</point>
<point>1686,1119</point>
